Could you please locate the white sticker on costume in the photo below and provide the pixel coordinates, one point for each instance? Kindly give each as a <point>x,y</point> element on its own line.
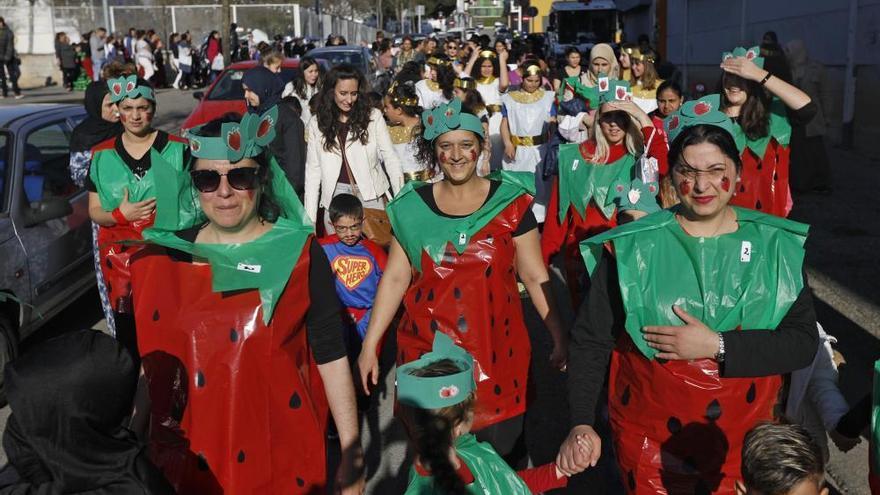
<point>745,252</point>
<point>574,165</point>
<point>249,268</point>
<point>462,239</point>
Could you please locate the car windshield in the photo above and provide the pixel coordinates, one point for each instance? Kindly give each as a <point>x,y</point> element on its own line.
<point>229,86</point>
<point>585,26</point>
<point>336,58</point>
<point>4,169</point>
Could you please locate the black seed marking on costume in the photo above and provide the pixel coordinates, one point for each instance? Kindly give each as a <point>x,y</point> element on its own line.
<point>492,321</point>
<point>488,272</point>
<point>713,410</point>
<point>631,480</point>
<point>515,383</point>
<point>462,324</point>
<point>673,424</point>
<point>510,352</point>
<point>760,164</point>
<point>295,401</point>
<point>156,315</point>
<point>507,322</point>
<point>742,188</point>
<point>456,293</point>
<point>624,399</point>
<point>661,360</point>
<point>497,389</point>
<point>200,379</point>
<point>497,410</point>
<point>750,395</point>
<point>490,298</point>
<point>517,399</point>
<point>431,295</point>
<point>418,295</point>
<point>494,357</point>
<point>775,176</point>
<point>415,329</point>
<point>240,457</point>
<point>233,335</point>
<point>435,327</point>
<point>758,205</point>
<point>109,264</point>
<point>300,482</point>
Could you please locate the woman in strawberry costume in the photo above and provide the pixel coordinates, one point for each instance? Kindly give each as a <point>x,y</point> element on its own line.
<point>581,200</point>
<point>762,107</point>
<point>241,337</point>
<point>122,191</point>
<point>700,309</point>
<point>459,245</point>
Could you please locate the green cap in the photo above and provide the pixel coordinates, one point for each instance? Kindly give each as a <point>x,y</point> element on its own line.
<point>127,87</point>
<point>612,89</point>
<point>752,54</point>
<point>435,392</point>
<point>237,140</point>
<point>449,117</point>
<point>706,110</point>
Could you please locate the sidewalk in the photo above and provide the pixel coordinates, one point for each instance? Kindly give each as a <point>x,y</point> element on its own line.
<point>57,94</point>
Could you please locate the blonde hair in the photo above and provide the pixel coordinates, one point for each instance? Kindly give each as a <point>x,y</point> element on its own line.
<point>650,79</point>
<point>633,141</point>
<point>272,58</point>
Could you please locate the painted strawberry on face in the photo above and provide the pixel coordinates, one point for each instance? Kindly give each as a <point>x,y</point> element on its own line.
<point>448,392</point>
<point>233,140</point>
<point>702,108</point>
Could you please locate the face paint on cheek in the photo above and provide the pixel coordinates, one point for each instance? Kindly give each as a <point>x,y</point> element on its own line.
<point>123,118</point>
<point>442,157</point>
<point>725,184</point>
<point>684,187</point>
<point>473,155</point>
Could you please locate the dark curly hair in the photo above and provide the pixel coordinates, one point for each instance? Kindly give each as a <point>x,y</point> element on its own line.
<point>328,112</point>
<point>476,70</point>
<point>431,430</point>
<point>407,90</point>
<point>426,153</point>
<point>445,76</point>
<point>267,209</point>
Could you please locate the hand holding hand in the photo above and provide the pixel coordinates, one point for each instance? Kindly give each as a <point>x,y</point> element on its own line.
<point>693,340</point>
<point>580,450</point>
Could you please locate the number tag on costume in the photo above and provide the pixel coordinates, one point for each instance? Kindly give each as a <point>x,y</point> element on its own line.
<point>574,165</point>
<point>249,268</point>
<point>462,239</point>
<point>745,252</point>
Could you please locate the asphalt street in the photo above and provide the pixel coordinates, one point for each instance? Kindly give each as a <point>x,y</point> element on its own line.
<point>841,264</point>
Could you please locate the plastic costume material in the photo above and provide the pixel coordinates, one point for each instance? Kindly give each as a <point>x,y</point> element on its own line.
<point>764,178</point>
<point>112,177</point>
<point>635,195</point>
<point>238,405</point>
<point>874,444</point>
<point>464,285</point>
<point>678,425</point>
<point>528,116</point>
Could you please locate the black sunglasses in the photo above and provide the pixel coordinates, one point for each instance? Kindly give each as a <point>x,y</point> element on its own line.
<point>240,178</point>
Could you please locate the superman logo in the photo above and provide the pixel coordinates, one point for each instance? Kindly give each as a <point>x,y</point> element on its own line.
<point>352,270</point>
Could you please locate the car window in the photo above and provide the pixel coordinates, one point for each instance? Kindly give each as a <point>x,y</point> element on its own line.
<point>46,164</point>
<point>4,169</point>
<point>336,58</point>
<point>229,86</point>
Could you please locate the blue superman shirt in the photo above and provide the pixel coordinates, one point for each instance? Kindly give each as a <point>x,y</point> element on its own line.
<point>357,269</point>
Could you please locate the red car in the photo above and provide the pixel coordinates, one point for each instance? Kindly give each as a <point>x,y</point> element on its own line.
<point>226,94</point>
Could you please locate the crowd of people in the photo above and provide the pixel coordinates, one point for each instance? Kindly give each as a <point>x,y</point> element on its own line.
<point>253,268</point>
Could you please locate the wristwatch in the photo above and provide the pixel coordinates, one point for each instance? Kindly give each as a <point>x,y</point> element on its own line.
<point>719,356</point>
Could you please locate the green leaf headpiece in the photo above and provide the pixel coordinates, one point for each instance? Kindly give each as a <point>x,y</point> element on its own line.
<point>449,117</point>
<point>127,87</point>
<point>436,392</point>
<point>237,140</point>
<point>753,54</point>
<point>706,110</point>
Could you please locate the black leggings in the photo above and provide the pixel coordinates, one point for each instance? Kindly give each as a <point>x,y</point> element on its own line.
<point>127,335</point>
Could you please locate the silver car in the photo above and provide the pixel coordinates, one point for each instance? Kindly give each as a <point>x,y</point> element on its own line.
<point>45,231</point>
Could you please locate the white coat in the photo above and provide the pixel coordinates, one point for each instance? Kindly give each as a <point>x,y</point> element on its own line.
<point>373,181</point>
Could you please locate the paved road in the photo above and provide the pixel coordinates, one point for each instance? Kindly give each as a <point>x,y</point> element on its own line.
<point>841,260</point>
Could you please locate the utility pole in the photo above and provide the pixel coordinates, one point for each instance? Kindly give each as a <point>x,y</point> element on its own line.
<point>227,47</point>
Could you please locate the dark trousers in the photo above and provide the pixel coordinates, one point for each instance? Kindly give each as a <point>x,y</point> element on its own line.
<point>12,68</point>
<point>70,76</point>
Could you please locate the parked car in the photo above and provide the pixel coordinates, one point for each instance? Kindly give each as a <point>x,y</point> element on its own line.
<point>45,231</point>
<point>226,94</point>
<point>360,57</point>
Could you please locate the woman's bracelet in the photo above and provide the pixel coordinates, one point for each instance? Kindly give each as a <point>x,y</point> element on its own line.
<point>766,78</point>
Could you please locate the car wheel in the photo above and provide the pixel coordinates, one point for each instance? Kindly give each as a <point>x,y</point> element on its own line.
<point>8,351</point>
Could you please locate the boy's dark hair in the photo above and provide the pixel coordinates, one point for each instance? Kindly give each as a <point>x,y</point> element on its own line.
<point>294,104</point>
<point>345,205</point>
<point>776,457</point>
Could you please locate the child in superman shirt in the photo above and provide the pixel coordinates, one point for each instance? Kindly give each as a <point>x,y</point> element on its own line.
<point>358,264</point>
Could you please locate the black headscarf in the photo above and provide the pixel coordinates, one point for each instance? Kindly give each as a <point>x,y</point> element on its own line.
<point>70,398</point>
<point>266,84</point>
<point>93,129</point>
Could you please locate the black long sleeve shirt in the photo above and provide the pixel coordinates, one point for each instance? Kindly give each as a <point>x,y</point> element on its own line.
<point>600,321</point>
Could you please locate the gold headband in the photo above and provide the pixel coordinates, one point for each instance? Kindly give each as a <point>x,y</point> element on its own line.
<point>465,83</point>
<point>400,100</point>
<point>436,61</point>
<point>487,54</point>
<point>534,70</point>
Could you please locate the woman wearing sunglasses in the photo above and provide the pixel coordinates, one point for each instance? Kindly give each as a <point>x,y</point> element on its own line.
<point>581,201</point>
<point>122,191</point>
<point>240,298</point>
<point>701,309</point>
<point>459,246</point>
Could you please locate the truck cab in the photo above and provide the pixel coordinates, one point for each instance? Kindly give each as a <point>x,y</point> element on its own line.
<point>581,24</point>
